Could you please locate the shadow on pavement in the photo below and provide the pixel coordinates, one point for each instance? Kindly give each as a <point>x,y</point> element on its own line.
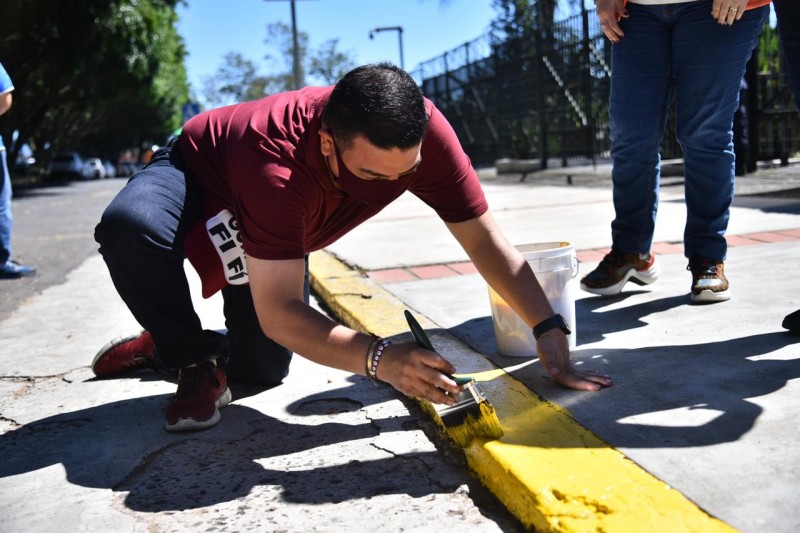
<point>665,384</point>
<point>664,396</point>
<point>621,319</point>
<point>122,446</point>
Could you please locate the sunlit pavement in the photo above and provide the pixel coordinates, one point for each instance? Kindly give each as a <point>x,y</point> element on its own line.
<point>698,432</point>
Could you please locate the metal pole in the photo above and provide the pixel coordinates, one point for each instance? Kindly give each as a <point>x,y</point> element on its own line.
<point>295,50</point>
<point>400,38</point>
<point>399,30</point>
<point>297,77</point>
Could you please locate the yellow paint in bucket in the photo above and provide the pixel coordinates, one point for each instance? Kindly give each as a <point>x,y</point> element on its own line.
<point>556,266</point>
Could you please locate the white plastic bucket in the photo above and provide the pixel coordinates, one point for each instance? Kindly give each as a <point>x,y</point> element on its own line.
<point>556,266</point>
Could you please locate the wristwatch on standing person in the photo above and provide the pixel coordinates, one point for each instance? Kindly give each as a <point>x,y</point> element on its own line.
<point>555,321</point>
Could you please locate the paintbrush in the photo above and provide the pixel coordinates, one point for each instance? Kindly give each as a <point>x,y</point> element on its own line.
<point>472,415</point>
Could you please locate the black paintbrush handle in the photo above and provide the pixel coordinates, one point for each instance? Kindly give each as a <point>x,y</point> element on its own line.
<point>419,334</point>
<point>423,342</point>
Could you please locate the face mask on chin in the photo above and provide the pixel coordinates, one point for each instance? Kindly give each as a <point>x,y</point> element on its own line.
<point>373,192</point>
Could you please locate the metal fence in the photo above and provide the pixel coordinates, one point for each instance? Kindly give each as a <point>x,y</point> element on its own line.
<point>545,97</point>
<point>777,131</point>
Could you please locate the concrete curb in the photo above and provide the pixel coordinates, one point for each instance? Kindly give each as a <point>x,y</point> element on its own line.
<point>552,473</point>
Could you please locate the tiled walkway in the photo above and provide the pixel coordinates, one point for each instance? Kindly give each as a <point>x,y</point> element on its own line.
<point>398,275</point>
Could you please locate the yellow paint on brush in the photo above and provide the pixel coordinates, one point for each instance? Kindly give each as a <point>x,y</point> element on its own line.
<point>484,424</point>
<point>549,471</point>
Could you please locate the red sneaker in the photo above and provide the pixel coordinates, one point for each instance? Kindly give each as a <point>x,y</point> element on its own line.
<point>125,354</point>
<point>202,390</point>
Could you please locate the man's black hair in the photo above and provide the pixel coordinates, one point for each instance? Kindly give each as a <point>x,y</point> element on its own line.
<point>380,102</point>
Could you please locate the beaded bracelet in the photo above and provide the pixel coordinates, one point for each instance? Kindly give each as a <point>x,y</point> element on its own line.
<point>375,358</point>
<point>375,340</point>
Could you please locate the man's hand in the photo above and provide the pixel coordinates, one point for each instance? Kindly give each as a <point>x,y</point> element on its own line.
<point>553,351</point>
<point>277,288</point>
<point>507,272</point>
<point>418,372</point>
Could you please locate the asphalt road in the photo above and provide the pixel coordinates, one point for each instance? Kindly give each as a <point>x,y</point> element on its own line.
<point>53,231</point>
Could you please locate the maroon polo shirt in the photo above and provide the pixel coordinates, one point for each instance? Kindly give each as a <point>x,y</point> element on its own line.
<point>262,161</point>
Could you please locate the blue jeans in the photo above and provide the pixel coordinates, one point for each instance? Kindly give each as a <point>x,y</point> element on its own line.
<point>6,220</point>
<point>141,235</point>
<point>788,15</point>
<point>677,51</point>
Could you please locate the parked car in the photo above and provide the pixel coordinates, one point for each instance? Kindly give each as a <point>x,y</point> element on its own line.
<point>25,166</point>
<point>66,165</point>
<point>94,169</point>
<point>110,170</point>
<point>125,169</point>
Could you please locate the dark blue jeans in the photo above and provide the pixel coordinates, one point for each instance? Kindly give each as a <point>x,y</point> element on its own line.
<point>677,51</point>
<point>141,237</point>
<point>788,15</point>
<point>6,219</point>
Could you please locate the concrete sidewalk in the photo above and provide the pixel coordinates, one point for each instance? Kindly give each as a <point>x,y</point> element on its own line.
<point>699,431</point>
<point>326,451</point>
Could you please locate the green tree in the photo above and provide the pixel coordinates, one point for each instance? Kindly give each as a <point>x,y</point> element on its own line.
<point>92,75</point>
<point>324,65</point>
<point>281,63</point>
<point>237,79</point>
<point>329,64</point>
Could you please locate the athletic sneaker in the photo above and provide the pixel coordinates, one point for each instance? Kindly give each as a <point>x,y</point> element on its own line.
<point>126,354</point>
<point>616,269</point>
<point>202,390</point>
<point>12,270</point>
<point>709,283</point>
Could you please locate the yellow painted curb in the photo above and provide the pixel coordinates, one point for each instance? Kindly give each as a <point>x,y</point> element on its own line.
<point>549,471</point>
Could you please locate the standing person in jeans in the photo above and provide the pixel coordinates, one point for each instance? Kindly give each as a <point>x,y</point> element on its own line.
<point>9,269</point>
<point>248,191</point>
<point>788,15</point>
<point>695,52</point>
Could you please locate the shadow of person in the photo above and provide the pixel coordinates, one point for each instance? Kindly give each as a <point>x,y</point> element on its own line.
<point>623,318</point>
<point>122,446</point>
<point>676,395</point>
<point>479,333</point>
<point>198,473</point>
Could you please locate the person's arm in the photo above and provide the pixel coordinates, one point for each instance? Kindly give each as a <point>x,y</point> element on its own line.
<point>609,12</point>
<point>277,288</point>
<point>507,272</point>
<point>5,102</point>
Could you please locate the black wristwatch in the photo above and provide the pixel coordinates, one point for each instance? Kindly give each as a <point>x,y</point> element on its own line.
<point>555,321</point>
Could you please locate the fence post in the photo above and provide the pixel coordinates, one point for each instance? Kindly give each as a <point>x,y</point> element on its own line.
<point>587,86</point>
<point>541,102</point>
